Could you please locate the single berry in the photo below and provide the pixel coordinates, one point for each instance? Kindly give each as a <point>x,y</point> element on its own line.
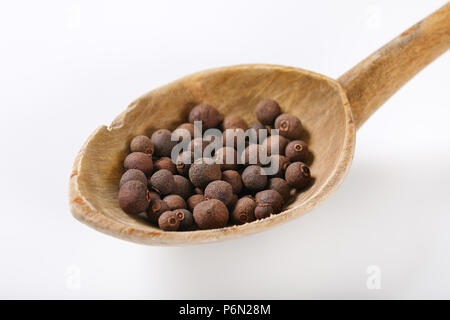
<point>234,179</point>
<point>270,198</point>
<point>211,214</point>
<point>289,126</point>
<point>194,200</point>
<point>186,218</point>
<point>281,186</point>
<point>165,163</point>
<point>244,211</point>
<point>142,144</point>
<point>207,114</point>
<point>298,175</point>
<point>174,201</point>
<point>162,140</point>
<point>281,163</point>
<point>133,175</point>
<point>275,144</point>
<point>219,190</point>
<point>140,161</point>
<point>202,173</point>
<point>182,187</point>
<point>184,131</point>
<point>263,212</point>
<point>156,208</point>
<point>184,161</point>
<point>297,150</point>
<point>253,178</point>
<point>233,121</point>
<point>162,182</point>
<point>266,111</point>
<point>169,221</point>
<point>133,197</point>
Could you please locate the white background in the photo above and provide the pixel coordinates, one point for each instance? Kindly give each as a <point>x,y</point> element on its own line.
<point>67,67</point>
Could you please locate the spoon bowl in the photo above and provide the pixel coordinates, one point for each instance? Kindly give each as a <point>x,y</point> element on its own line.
<point>330,110</point>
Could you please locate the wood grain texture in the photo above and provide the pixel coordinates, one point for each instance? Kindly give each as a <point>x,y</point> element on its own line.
<point>317,100</point>
<point>375,79</point>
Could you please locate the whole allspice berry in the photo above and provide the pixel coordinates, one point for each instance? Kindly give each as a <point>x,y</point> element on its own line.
<point>211,214</point>
<point>244,211</point>
<point>281,186</point>
<point>140,161</point>
<point>234,179</point>
<point>202,173</point>
<point>162,182</point>
<point>234,121</point>
<point>270,198</point>
<point>266,111</point>
<point>142,144</point>
<point>162,141</point>
<point>184,131</point>
<point>206,113</point>
<point>183,162</point>
<point>283,163</point>
<point>133,174</point>
<point>165,163</point>
<point>262,212</point>
<point>182,187</point>
<point>289,126</point>
<point>298,175</point>
<point>277,142</point>
<point>219,190</point>
<point>133,197</point>
<point>227,158</point>
<point>297,150</point>
<point>194,200</point>
<point>169,221</point>
<point>253,178</point>
<point>156,208</point>
<point>186,218</point>
<point>174,201</point>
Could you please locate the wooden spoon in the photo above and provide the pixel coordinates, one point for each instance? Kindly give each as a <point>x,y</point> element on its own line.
<point>330,110</point>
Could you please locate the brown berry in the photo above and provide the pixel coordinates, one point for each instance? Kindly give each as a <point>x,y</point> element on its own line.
<point>202,173</point>
<point>133,174</point>
<point>169,221</point>
<point>283,163</point>
<point>243,211</point>
<point>194,200</point>
<point>133,197</point>
<point>211,214</point>
<point>234,179</point>
<point>184,131</point>
<point>206,113</point>
<point>186,219</point>
<point>174,201</point>
<point>184,161</point>
<point>281,186</point>
<point>219,190</point>
<point>142,144</point>
<point>233,121</point>
<point>162,182</point>
<point>227,158</point>
<point>270,198</point>
<point>298,175</point>
<point>263,212</point>
<point>182,187</point>
<point>289,126</point>
<point>165,163</point>
<point>140,161</point>
<point>278,146</point>
<point>266,111</point>
<point>156,208</point>
<point>297,150</point>
<point>162,141</point>
<point>253,178</point>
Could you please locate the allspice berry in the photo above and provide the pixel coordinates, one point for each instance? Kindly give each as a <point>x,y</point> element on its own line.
<point>182,186</point>
<point>283,163</point>
<point>183,163</point>
<point>219,190</point>
<point>133,174</point>
<point>297,150</point>
<point>162,182</point>
<point>185,131</point>
<point>234,179</point>
<point>262,212</point>
<point>174,201</point>
<point>266,111</point>
<point>194,200</point>
<point>281,186</point>
<point>298,175</point>
<point>270,198</point>
<point>165,163</point>
<point>186,219</point>
<point>156,208</point>
<point>277,142</point>
<point>227,158</point>
<point>140,161</point>
<point>142,144</point>
<point>202,173</point>
<point>162,141</point>
<point>211,214</point>
<point>253,178</point>
<point>206,113</point>
<point>289,126</point>
<point>244,211</point>
<point>133,197</point>
<point>169,221</point>
<point>233,121</point>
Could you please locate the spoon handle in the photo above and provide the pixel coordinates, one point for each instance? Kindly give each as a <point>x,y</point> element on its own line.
<point>375,79</point>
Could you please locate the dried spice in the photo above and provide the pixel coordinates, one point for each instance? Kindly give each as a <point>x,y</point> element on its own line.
<point>219,190</point>
<point>211,214</point>
<point>234,179</point>
<point>162,182</point>
<point>206,113</point>
<point>298,175</point>
<point>289,126</point>
<point>244,211</point>
<point>140,161</point>
<point>142,144</point>
<point>131,175</point>
<point>169,221</point>
<point>266,111</point>
<point>133,197</point>
<point>253,178</point>
<point>297,150</point>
